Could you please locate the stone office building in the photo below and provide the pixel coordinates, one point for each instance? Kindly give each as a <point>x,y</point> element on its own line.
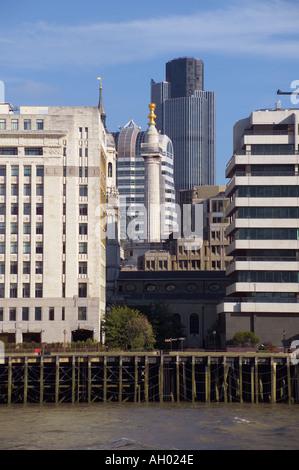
<point>52,247</point>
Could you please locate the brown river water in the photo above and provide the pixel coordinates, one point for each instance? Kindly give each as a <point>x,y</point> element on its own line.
<point>127,426</point>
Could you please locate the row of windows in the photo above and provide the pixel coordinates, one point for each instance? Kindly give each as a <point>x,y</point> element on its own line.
<point>39,314</point>
<point>26,228</point>
<point>267,234</point>
<point>14,208</point>
<point>268,212</point>
<point>26,248</point>
<point>27,170</point>
<point>13,290</point>
<point>267,191</point>
<point>14,124</point>
<point>14,189</point>
<point>267,276</point>
<point>25,267</point>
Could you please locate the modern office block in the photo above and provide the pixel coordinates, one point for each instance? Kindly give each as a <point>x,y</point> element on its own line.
<point>52,245</point>
<point>264,228</point>
<point>131,182</point>
<point>186,114</point>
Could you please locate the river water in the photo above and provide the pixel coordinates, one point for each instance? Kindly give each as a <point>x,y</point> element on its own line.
<point>129,426</point>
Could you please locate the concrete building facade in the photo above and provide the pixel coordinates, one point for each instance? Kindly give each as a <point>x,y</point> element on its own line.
<point>264,228</point>
<point>52,241</point>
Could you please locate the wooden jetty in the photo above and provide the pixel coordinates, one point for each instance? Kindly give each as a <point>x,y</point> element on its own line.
<point>149,377</point>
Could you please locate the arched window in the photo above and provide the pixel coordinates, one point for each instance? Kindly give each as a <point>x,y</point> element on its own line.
<point>109,170</point>
<point>194,324</point>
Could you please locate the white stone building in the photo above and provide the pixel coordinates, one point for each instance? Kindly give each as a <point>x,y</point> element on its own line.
<point>264,228</point>
<point>52,245</point>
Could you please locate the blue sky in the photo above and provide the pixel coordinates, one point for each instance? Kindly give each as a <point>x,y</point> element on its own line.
<point>51,53</point>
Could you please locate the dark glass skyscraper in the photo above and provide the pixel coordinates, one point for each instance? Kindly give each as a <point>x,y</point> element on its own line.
<point>186,114</point>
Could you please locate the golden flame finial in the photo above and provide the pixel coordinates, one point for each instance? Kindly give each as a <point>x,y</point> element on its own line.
<point>152,115</point>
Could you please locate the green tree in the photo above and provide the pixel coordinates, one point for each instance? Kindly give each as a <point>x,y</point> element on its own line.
<point>127,328</point>
<point>245,338</point>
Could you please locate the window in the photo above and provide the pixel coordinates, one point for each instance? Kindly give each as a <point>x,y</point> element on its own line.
<point>27,170</point>
<point>2,124</point>
<point>14,124</point>
<point>39,228</point>
<point>25,313</point>
<point>38,290</point>
<point>2,267</point>
<point>2,291</point>
<point>14,209</point>
<point>2,248</point>
<point>14,170</point>
<point>39,248</point>
<point>39,189</point>
<point>86,152</point>
<point>83,209</point>
<point>8,151</point>
<point>40,170</point>
<point>109,170</point>
<point>2,189</point>
<point>82,313</point>
<point>38,267</point>
<point>39,208</point>
<point>13,290</point>
<point>2,170</point>
<point>2,228</point>
<point>14,189</point>
<point>2,209</point>
<point>27,124</point>
<point>13,228</point>
<point>39,124</point>
<point>13,267</point>
<point>82,268</point>
<point>26,291</point>
<point>27,228</point>
<point>38,313</point>
<point>82,248</point>
<point>27,189</point>
<point>33,151</point>
<point>82,229</point>
<point>83,190</point>
<point>63,314</point>
<point>12,314</point>
<point>82,289</point>
<point>51,313</point>
<point>1,314</point>
<point>27,208</point>
<point>194,324</point>
<point>13,248</point>
<point>26,267</point>
<point>26,248</point>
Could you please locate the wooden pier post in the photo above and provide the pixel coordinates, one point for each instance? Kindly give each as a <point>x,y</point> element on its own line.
<point>57,380</point>
<point>289,381</point>
<point>240,380</point>
<point>225,379</point>
<point>177,364</point>
<point>208,380</point>
<point>105,379</point>
<point>193,380</point>
<point>41,379</point>
<point>120,379</point>
<point>25,379</point>
<point>88,380</point>
<point>161,378</point>
<point>136,379</point>
<point>252,383</point>
<point>273,381</point>
<point>73,379</point>
<point>256,377</point>
<point>9,380</point>
<point>146,379</point>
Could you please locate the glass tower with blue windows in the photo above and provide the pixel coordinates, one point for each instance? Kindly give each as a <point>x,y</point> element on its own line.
<point>186,114</point>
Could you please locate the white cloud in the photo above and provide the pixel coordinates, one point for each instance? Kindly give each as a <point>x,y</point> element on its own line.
<point>263,28</point>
